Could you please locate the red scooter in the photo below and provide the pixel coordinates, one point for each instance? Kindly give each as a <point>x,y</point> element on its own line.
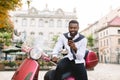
<point>29,69</point>
<point>91,60</point>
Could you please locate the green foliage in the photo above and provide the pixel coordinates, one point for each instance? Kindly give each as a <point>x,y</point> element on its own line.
<point>9,63</point>
<point>90,41</point>
<point>54,39</point>
<point>5,37</point>
<point>6,25</point>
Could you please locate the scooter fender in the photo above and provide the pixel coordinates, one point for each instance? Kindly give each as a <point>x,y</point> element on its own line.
<point>27,70</point>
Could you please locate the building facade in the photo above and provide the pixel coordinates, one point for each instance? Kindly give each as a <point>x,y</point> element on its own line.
<point>106,36</point>
<point>44,24</point>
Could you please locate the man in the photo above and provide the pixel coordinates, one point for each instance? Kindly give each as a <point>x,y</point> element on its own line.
<point>74,60</point>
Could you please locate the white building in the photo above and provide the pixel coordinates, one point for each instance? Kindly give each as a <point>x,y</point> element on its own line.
<point>106,33</point>
<point>44,24</point>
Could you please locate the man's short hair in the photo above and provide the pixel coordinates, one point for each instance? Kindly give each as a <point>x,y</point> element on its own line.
<point>74,21</point>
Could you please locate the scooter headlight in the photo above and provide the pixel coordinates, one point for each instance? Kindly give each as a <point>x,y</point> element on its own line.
<point>35,53</point>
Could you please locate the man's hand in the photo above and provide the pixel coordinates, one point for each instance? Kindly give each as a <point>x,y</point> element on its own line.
<point>55,59</point>
<point>72,45</point>
<point>25,49</point>
<point>47,59</point>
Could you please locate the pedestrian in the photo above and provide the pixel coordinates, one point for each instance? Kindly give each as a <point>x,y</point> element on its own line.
<point>74,59</point>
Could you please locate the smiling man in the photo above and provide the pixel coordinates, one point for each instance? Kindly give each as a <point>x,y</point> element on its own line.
<point>75,44</point>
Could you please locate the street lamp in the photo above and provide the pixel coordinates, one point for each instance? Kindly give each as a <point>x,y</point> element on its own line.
<point>118,55</point>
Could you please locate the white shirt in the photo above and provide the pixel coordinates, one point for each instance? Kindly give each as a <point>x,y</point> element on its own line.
<point>81,47</point>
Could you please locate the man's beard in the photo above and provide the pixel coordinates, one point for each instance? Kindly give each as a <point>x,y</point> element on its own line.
<point>72,34</point>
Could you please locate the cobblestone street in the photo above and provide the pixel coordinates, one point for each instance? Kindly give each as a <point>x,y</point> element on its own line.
<point>100,72</point>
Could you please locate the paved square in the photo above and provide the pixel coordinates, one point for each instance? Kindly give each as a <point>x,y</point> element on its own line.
<point>100,72</point>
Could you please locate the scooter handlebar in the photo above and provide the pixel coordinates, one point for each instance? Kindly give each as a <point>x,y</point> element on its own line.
<point>53,63</point>
<point>49,60</point>
<point>26,49</point>
<point>46,58</point>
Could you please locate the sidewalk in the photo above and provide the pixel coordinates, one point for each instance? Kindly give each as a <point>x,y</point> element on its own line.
<point>105,72</point>
<point>100,72</point>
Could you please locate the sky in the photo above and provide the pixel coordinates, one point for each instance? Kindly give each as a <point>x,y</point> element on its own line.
<point>88,11</point>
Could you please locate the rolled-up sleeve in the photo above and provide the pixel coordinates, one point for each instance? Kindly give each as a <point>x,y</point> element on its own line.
<point>58,46</point>
<point>81,48</point>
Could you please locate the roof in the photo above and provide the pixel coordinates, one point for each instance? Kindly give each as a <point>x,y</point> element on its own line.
<point>114,22</point>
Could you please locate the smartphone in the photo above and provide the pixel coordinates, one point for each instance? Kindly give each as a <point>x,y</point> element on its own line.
<point>69,38</point>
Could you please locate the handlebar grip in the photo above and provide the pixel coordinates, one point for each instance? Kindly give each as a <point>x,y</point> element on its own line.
<point>17,46</point>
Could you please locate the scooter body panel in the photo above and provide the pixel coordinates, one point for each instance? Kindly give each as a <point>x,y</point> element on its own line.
<point>27,70</point>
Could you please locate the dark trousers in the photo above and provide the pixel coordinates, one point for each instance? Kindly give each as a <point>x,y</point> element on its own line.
<point>78,70</point>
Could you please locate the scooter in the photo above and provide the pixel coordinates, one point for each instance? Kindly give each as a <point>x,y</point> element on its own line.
<point>91,60</point>
<point>29,68</point>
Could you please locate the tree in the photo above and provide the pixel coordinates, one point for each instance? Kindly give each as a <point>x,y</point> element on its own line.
<point>6,25</point>
<point>5,7</point>
<point>90,41</point>
<point>54,39</point>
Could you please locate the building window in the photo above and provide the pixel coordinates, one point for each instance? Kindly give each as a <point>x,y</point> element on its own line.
<point>24,22</point>
<point>32,22</point>
<point>118,31</point>
<point>103,33</point>
<point>51,23</point>
<point>51,33</point>
<point>40,33</point>
<point>41,24</point>
<point>106,32</point>
<point>119,41</point>
<point>107,43</point>
<point>66,23</point>
<point>59,23</point>
<point>59,33</point>
<point>32,33</point>
<point>100,43</point>
<point>104,43</point>
<point>46,21</point>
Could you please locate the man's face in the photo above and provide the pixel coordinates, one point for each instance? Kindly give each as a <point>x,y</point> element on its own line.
<point>73,29</point>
